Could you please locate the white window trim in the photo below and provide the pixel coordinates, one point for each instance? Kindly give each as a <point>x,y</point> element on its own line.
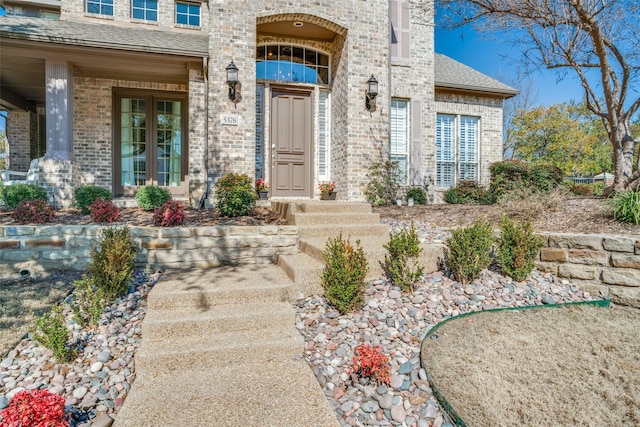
<point>406,153</point>
<point>327,175</point>
<point>456,148</point>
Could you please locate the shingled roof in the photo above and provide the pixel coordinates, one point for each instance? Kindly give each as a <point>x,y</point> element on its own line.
<point>103,36</point>
<point>451,74</point>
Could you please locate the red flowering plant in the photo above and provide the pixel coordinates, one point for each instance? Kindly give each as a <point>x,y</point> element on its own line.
<point>262,185</point>
<point>33,212</point>
<point>104,211</point>
<point>327,187</point>
<point>369,362</point>
<point>37,408</point>
<point>170,214</point>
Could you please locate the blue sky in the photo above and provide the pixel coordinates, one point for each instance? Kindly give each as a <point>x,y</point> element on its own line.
<point>499,59</point>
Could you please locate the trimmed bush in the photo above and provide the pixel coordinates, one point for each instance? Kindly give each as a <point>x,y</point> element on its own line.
<point>236,195</point>
<point>33,212</point>
<point>508,175</point>
<point>382,189</point>
<point>12,195</point>
<point>626,207</point>
<point>111,265</point>
<point>467,192</point>
<point>152,197</point>
<point>469,251</point>
<point>52,332</point>
<point>170,214</point>
<point>545,177</point>
<point>104,211</point>
<point>87,194</point>
<point>402,262</point>
<point>418,195</point>
<point>344,275</point>
<point>88,302</point>
<point>518,248</point>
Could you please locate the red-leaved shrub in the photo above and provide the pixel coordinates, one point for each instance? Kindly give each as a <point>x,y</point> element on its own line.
<point>369,362</point>
<point>37,408</point>
<point>581,190</point>
<point>33,212</point>
<point>104,211</point>
<point>170,214</point>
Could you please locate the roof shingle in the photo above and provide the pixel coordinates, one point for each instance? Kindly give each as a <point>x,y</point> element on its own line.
<point>451,74</point>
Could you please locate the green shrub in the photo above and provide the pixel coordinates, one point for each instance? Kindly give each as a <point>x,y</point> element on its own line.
<point>545,177</point>
<point>508,175</point>
<point>87,194</point>
<point>418,195</point>
<point>33,212</point>
<point>88,302</point>
<point>626,207</point>
<point>598,188</point>
<point>518,248</point>
<point>52,332</point>
<point>344,275</point>
<point>111,265</point>
<point>151,197</point>
<point>402,262</point>
<point>12,195</point>
<point>236,195</point>
<point>382,189</point>
<point>469,251</point>
<point>467,192</point>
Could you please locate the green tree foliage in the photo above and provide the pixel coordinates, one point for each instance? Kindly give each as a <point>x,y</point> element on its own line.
<point>565,135</point>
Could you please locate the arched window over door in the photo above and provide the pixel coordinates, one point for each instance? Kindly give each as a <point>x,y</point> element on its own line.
<point>289,63</point>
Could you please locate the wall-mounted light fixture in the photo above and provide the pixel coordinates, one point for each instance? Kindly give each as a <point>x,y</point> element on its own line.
<point>232,80</point>
<point>372,92</point>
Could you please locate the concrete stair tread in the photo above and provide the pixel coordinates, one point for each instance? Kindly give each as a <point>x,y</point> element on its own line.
<point>332,207</point>
<point>305,219</point>
<point>237,396</point>
<point>188,315</point>
<point>303,270</point>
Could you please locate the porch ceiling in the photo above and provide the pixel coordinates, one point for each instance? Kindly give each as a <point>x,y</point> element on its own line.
<point>28,44</point>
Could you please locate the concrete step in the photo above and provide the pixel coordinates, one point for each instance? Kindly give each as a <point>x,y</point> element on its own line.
<point>372,247</point>
<point>201,289</point>
<point>335,219</point>
<point>254,316</point>
<point>368,230</point>
<point>226,349</point>
<point>304,271</point>
<point>240,397</point>
<point>330,207</point>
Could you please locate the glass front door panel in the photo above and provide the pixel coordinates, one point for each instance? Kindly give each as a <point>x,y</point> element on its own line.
<point>133,148</point>
<point>169,130</point>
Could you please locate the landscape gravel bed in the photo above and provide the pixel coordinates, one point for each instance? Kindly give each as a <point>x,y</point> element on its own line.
<point>397,322</point>
<point>97,381</point>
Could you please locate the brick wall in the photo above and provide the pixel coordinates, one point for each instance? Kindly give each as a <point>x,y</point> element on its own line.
<point>41,248</point>
<point>605,264</point>
<point>19,127</point>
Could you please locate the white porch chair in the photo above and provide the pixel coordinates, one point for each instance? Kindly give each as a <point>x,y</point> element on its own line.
<point>29,177</point>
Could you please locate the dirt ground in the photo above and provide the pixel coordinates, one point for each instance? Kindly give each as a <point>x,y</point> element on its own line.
<point>540,367</point>
<point>21,301</point>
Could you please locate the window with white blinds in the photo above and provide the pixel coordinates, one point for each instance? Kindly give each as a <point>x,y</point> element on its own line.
<point>457,141</point>
<point>324,134</point>
<point>400,136</point>
<point>468,148</point>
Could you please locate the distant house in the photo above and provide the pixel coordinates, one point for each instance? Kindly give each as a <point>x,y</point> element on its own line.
<point>129,93</point>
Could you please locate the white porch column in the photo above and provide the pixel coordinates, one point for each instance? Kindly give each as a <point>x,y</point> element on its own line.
<point>59,80</point>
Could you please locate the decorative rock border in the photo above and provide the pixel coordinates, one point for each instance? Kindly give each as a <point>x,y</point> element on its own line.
<point>605,264</point>
<point>28,249</point>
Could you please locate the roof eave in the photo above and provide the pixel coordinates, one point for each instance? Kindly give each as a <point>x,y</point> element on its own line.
<point>505,93</point>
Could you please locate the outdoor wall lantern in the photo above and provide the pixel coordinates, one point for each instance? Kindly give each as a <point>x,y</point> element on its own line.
<point>232,80</point>
<point>372,92</point>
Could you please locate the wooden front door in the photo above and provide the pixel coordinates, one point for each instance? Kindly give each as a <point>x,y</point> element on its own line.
<point>291,136</point>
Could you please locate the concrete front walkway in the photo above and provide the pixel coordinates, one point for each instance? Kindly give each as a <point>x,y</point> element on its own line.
<point>220,348</point>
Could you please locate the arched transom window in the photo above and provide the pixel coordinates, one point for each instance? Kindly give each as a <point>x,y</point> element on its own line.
<point>288,63</point>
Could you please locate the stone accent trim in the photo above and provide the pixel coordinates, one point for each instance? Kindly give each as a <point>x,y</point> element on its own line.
<point>42,248</point>
<point>605,264</point>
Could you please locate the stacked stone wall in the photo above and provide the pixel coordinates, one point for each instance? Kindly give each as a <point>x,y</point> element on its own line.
<point>608,265</point>
<point>36,249</point>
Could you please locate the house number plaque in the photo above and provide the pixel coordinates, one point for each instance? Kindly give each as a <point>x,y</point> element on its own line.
<point>229,119</point>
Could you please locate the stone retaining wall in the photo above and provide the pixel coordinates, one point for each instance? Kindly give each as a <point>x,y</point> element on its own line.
<point>34,249</point>
<point>605,264</point>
